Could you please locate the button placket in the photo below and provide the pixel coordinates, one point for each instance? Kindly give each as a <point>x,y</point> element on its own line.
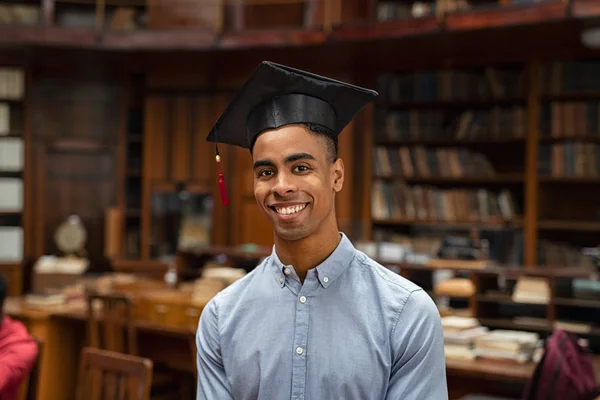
<point>299,363</point>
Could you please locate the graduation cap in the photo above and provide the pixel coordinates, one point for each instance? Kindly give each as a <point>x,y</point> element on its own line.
<point>276,95</point>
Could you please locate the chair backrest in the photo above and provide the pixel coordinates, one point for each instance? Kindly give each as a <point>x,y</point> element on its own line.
<point>107,374</point>
<point>110,324</point>
<point>34,374</point>
<point>28,390</point>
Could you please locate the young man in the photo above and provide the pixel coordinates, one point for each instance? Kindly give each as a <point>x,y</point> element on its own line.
<point>18,352</point>
<point>317,319</point>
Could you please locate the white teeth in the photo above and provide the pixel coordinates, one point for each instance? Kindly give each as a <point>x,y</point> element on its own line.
<point>290,210</point>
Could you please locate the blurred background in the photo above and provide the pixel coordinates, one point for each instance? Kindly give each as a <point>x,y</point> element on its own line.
<point>475,173</point>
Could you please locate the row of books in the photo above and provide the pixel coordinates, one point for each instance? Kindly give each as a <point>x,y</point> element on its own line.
<point>453,84</point>
<point>465,338</point>
<point>11,244</point>
<point>493,123</point>
<point>11,154</point>
<point>19,14</point>
<point>574,159</point>
<point>570,119</point>
<point>399,201</point>
<point>391,10</point>
<point>423,161</point>
<point>572,76</point>
<point>551,253</point>
<point>11,83</point>
<point>11,195</point>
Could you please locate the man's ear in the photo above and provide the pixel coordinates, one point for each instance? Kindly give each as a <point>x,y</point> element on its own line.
<point>337,170</point>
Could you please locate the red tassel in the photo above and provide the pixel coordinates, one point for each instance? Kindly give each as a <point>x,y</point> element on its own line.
<point>222,187</point>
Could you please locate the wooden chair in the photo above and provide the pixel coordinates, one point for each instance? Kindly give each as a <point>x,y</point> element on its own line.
<point>29,387</point>
<point>114,313</point>
<point>111,327</point>
<point>110,375</point>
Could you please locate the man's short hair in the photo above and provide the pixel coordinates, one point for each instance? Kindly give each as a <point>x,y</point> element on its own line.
<point>330,137</point>
<point>3,291</point>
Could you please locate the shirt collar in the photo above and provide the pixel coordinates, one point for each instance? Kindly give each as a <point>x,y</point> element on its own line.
<point>328,271</point>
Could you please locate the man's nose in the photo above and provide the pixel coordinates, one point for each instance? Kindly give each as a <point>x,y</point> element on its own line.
<point>284,184</point>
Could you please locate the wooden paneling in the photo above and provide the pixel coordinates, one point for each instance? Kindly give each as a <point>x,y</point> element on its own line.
<point>75,125</point>
<point>177,154</point>
<point>12,273</point>
<point>156,136</point>
<point>77,182</point>
<point>180,135</point>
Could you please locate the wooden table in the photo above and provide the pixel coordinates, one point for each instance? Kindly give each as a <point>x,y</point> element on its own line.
<point>62,329</point>
<point>491,377</point>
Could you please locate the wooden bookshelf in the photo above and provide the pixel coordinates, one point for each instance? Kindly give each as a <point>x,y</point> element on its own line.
<point>13,171</point>
<point>134,142</point>
<point>493,304</point>
<point>449,151</point>
<point>439,157</point>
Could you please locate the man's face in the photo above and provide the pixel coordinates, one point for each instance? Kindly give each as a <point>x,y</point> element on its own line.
<point>294,182</point>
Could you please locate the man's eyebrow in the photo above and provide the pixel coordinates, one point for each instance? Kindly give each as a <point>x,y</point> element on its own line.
<point>263,163</point>
<point>298,156</point>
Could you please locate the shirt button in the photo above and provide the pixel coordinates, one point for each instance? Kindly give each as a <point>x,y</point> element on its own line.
<point>299,350</point>
<point>326,279</point>
<point>302,299</point>
<point>287,271</point>
<point>281,280</point>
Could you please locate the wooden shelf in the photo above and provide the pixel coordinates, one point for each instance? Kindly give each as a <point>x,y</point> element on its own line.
<point>429,28</point>
<point>550,139</point>
<point>450,142</point>
<point>506,299</point>
<point>506,15</point>
<point>496,179</point>
<point>570,179</point>
<point>505,271</point>
<point>386,29</point>
<point>451,103</point>
<point>457,224</point>
<point>11,174</point>
<point>13,134</point>
<point>10,213</point>
<point>500,323</point>
<point>585,8</point>
<point>569,225</point>
<point>566,301</point>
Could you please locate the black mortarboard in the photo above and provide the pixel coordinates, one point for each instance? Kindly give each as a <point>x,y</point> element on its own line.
<point>276,95</point>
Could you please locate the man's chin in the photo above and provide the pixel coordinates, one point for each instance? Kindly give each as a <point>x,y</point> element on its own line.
<point>291,234</point>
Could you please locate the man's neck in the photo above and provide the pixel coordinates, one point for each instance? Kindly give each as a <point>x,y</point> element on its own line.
<point>307,253</point>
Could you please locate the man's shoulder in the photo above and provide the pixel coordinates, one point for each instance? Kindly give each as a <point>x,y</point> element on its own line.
<point>386,276</point>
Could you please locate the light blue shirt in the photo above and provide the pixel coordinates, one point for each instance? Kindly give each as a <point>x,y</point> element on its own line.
<point>353,331</point>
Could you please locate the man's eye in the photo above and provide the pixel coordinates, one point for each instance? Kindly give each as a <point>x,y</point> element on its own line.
<point>301,168</point>
<point>265,173</point>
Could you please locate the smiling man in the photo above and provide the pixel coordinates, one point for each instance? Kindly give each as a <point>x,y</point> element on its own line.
<point>317,319</point>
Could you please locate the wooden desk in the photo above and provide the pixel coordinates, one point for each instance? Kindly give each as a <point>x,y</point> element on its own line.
<point>62,329</point>
<point>493,378</point>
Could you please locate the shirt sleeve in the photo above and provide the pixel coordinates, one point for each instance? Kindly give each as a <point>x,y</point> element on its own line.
<point>212,380</point>
<point>16,362</point>
<point>419,365</point>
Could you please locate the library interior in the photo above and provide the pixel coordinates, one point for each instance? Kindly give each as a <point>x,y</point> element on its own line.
<point>464,176</point>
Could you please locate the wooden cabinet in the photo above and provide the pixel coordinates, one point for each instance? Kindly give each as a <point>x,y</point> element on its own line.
<point>179,163</point>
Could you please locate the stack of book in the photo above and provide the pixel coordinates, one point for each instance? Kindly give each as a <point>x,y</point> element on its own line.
<point>507,345</point>
<point>460,334</point>
<point>531,290</point>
